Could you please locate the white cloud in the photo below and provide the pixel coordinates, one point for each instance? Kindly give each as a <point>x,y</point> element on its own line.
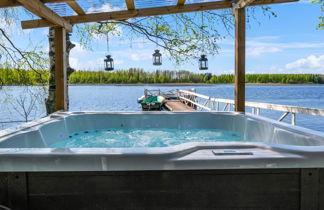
<point>80,57</point>
<point>266,38</point>
<point>257,51</point>
<point>83,59</point>
<point>141,56</point>
<point>135,57</point>
<point>107,7</point>
<point>258,48</point>
<point>118,61</point>
<point>9,24</point>
<point>78,50</point>
<point>27,31</point>
<point>45,32</point>
<point>310,64</point>
<point>74,62</point>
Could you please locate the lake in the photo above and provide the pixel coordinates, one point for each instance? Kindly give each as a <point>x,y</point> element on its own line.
<point>17,102</point>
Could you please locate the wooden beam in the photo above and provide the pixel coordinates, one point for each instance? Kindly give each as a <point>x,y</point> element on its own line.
<point>130,4</point>
<point>76,7</point>
<point>181,2</point>
<point>15,3</point>
<point>60,69</point>
<point>239,60</point>
<point>127,14</point>
<point>242,3</point>
<point>39,9</point>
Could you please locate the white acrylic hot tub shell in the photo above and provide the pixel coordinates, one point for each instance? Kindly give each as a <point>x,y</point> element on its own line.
<point>278,145</point>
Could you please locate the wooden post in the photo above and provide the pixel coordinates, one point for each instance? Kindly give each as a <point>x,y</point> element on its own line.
<point>60,69</point>
<point>239,59</point>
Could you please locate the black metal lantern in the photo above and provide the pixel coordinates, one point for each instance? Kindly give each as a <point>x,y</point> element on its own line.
<point>109,63</point>
<point>157,58</point>
<point>203,62</point>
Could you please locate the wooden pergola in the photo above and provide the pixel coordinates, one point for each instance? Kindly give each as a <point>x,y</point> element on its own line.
<point>63,24</point>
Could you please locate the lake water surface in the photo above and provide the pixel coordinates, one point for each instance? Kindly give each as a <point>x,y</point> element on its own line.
<point>124,98</point>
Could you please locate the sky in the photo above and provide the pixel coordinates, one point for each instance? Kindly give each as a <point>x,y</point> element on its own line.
<point>288,43</point>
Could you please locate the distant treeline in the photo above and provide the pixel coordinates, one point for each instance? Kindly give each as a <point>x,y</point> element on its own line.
<point>23,77</point>
<point>139,76</point>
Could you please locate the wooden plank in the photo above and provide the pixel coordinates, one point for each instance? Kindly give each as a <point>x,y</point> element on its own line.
<point>270,189</point>
<point>76,7</point>
<point>321,189</point>
<point>239,60</point>
<point>130,4</point>
<point>60,69</point>
<point>127,14</point>
<point>181,2</point>
<point>15,3</point>
<point>242,3</point>
<point>177,106</point>
<point>17,191</point>
<point>4,188</point>
<point>39,9</point>
<point>309,189</point>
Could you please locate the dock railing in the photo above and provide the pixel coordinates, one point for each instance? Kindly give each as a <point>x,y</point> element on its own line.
<point>202,102</point>
<point>158,92</point>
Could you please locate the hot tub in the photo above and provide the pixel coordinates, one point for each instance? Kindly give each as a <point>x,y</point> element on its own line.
<point>266,143</point>
<point>274,166</point>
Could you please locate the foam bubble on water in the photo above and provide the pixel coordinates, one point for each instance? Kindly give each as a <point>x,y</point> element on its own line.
<point>114,138</point>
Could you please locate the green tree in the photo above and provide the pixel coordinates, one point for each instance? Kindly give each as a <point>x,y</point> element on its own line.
<point>182,36</point>
<point>321,18</point>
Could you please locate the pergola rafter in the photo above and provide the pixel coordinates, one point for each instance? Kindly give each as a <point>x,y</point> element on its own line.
<point>72,3</point>
<point>243,3</point>
<point>76,7</point>
<point>15,3</point>
<point>127,14</point>
<point>39,9</point>
<point>51,19</point>
<point>130,4</point>
<point>181,2</point>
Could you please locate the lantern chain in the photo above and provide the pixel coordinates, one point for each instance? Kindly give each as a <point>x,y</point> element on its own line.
<point>107,37</point>
<point>156,32</point>
<point>202,32</point>
<point>107,34</point>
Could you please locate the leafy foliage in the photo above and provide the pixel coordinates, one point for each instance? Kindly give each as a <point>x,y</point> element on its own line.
<point>321,18</point>
<point>12,57</point>
<point>23,77</point>
<point>182,36</point>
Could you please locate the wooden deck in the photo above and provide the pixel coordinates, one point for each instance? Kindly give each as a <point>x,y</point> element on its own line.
<point>257,189</point>
<point>177,106</point>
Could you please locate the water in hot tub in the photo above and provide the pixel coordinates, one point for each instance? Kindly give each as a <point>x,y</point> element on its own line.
<point>162,137</point>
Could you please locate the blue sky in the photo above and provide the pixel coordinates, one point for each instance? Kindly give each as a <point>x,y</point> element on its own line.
<point>289,43</point>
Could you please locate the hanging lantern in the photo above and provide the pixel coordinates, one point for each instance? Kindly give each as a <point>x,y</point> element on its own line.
<point>109,63</point>
<point>203,62</point>
<point>157,58</point>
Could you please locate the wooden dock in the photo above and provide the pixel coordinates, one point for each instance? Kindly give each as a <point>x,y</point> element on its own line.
<point>177,106</point>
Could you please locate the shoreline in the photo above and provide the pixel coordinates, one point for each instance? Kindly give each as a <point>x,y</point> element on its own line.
<point>180,84</point>
<point>195,84</point>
